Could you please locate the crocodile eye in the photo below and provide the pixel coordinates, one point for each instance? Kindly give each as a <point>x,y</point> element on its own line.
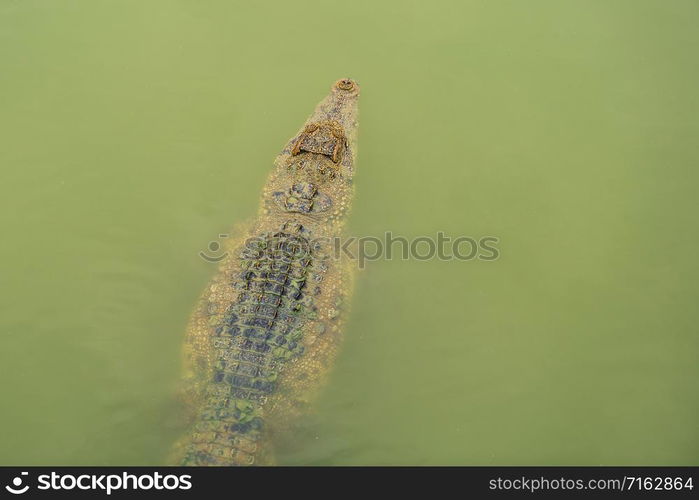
<point>325,138</point>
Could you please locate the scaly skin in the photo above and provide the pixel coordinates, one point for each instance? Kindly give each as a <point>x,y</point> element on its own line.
<point>267,329</point>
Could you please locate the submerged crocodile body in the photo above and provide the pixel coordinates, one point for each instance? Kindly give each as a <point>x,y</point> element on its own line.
<point>267,328</point>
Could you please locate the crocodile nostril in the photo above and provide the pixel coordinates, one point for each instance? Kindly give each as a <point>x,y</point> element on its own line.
<point>345,84</point>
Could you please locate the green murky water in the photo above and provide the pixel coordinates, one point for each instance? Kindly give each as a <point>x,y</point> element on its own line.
<point>133,133</point>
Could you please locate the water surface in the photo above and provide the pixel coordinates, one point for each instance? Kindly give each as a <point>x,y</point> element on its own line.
<point>133,133</point>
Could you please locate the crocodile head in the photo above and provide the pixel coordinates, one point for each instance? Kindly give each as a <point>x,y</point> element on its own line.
<point>329,136</point>
<point>316,167</point>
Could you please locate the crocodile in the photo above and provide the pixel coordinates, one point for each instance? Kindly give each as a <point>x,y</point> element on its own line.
<point>265,332</point>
